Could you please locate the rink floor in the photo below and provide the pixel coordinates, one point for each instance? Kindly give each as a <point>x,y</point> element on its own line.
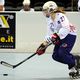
<point>37,68</point>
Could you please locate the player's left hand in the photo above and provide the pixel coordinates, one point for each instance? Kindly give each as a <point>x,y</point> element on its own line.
<point>40,52</point>
<point>55,39</point>
<point>41,49</point>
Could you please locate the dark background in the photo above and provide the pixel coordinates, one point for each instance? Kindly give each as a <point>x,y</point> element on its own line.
<point>17,4</point>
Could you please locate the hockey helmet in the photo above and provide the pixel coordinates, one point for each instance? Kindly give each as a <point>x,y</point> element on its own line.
<point>50,6</point>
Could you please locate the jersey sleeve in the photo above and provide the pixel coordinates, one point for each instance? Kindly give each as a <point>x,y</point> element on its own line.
<point>65,28</point>
<point>48,39</point>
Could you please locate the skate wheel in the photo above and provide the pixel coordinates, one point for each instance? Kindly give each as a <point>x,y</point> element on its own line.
<point>74,75</point>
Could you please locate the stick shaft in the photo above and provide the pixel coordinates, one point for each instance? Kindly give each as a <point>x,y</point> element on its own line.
<point>24,60</point>
<point>14,66</point>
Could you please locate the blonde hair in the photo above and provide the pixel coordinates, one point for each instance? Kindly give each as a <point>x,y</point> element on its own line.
<point>59,9</point>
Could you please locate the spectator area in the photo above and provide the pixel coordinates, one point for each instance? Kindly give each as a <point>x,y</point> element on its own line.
<point>16,5</point>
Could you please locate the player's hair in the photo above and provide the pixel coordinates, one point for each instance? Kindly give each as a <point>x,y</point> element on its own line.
<point>59,9</point>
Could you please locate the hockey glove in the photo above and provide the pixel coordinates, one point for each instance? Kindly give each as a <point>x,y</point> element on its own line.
<point>55,39</point>
<point>41,49</point>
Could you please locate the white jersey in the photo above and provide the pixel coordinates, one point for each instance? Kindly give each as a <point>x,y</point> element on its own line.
<point>60,25</point>
<point>2,2</point>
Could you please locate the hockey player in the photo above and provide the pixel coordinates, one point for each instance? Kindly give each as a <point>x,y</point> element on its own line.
<point>61,33</point>
<point>2,5</point>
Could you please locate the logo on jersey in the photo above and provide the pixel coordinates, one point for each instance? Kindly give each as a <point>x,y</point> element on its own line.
<point>52,27</point>
<point>7,30</point>
<point>64,45</point>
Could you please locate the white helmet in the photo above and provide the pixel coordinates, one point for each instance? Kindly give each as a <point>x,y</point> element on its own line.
<point>50,6</point>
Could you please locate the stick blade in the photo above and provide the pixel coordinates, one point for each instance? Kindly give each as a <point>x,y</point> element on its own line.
<point>6,64</point>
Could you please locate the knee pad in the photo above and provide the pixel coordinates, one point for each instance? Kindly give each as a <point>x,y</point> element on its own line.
<point>57,57</point>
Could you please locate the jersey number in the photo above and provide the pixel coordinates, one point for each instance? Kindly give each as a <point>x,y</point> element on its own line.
<point>62,19</point>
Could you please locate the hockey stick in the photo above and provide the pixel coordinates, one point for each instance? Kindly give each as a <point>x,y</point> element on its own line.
<point>14,66</point>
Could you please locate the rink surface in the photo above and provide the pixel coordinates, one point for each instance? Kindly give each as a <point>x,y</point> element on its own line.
<point>37,68</point>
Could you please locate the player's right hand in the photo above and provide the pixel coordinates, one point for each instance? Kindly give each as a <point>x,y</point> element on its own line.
<point>55,39</point>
